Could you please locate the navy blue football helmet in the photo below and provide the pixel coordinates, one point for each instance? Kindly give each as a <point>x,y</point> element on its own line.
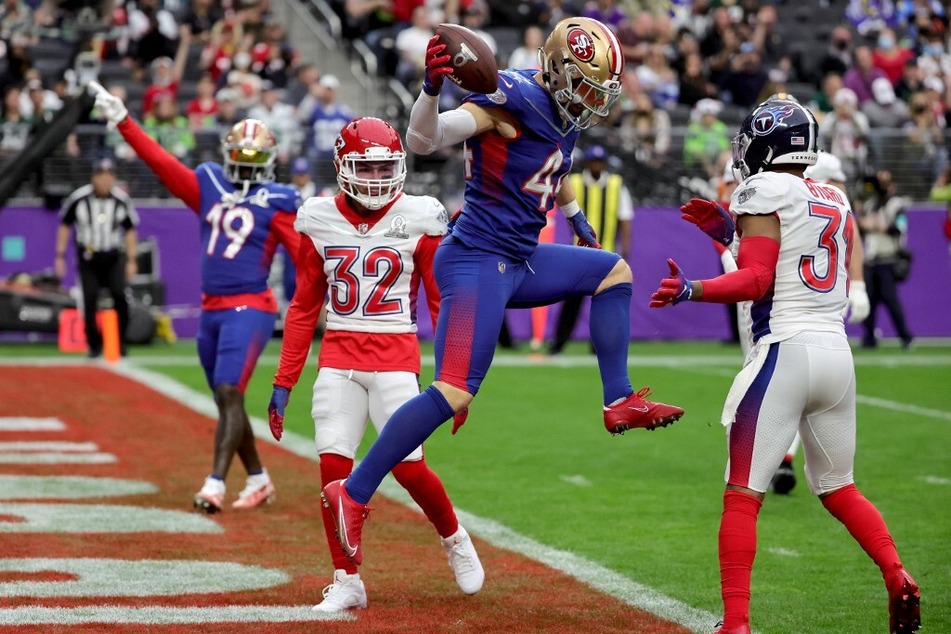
<point>777,132</point>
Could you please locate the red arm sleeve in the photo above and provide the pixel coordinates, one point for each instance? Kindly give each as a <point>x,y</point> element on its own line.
<point>282,225</point>
<point>756,270</point>
<point>301,319</point>
<point>181,181</point>
<point>425,252</point>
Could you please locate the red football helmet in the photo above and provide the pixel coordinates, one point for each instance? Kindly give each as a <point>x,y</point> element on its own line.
<point>370,162</point>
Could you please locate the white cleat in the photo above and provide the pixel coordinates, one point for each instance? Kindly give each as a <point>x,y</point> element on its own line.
<point>258,490</point>
<point>464,561</point>
<point>347,592</point>
<point>211,497</point>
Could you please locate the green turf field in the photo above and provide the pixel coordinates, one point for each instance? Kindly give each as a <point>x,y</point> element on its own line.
<point>534,456</point>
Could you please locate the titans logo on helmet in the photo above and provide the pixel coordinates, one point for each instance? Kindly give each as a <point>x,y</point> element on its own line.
<point>766,120</point>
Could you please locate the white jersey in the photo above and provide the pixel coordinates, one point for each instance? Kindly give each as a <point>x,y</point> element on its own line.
<point>810,290</point>
<point>369,261</point>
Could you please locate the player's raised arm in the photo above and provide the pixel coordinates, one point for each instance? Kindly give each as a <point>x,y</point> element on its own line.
<point>179,179</point>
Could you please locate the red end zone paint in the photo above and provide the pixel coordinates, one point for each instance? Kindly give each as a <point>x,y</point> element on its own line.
<point>409,583</point>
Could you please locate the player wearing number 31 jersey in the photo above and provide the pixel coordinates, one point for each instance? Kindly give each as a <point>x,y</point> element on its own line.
<point>792,263</point>
<point>243,216</point>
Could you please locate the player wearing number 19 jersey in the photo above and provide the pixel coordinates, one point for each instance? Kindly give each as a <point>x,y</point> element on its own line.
<point>799,375</point>
<point>243,215</point>
<point>518,148</point>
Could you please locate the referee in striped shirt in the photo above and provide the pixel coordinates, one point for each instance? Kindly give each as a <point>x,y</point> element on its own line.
<point>104,220</point>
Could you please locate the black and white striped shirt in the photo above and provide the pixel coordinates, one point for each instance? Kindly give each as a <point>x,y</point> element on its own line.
<point>100,222</point>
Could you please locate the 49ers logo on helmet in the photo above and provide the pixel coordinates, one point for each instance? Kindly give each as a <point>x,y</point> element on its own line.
<point>581,45</point>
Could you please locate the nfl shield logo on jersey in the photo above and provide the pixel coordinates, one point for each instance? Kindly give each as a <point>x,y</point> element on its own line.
<point>502,267</point>
<point>397,228</point>
<point>363,228</point>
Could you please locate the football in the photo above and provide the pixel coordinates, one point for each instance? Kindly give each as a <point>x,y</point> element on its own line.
<point>473,65</point>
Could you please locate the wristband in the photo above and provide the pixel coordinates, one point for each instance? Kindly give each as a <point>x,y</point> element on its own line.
<point>570,209</point>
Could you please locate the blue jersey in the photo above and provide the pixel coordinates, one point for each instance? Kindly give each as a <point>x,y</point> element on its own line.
<point>240,234</point>
<point>511,183</point>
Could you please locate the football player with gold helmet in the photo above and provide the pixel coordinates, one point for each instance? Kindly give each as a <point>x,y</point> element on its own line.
<point>518,148</point>
<point>243,215</point>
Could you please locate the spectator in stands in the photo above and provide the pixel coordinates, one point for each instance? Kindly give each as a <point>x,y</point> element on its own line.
<point>606,12</point>
<point>934,89</point>
<point>706,138</point>
<point>37,99</point>
<point>526,55</point>
<point>844,133</point>
<point>227,36</point>
<point>694,84</point>
<point>153,31</point>
<point>279,117</point>
<point>200,18</point>
<point>716,37</point>
<point>871,16</point>
<point>821,102</point>
<point>658,79</point>
<point>301,178</point>
<point>890,56</point>
<point>910,82</point>
<point>16,18</point>
<point>884,224</point>
<point>411,45</point>
<point>475,16</point>
<point>934,60</point>
<point>14,127</point>
<point>202,109</point>
<point>769,41</point>
<point>169,128</point>
<point>19,62</point>
<point>273,58</point>
<point>635,36</point>
<point>859,78</point>
<point>166,75</point>
<point>252,15</point>
<point>885,110</point>
<point>325,123</point>
<point>924,139</point>
<point>306,76</point>
<point>838,57</point>
<point>229,112</point>
<point>745,80</point>
<point>645,131</point>
<point>245,83</point>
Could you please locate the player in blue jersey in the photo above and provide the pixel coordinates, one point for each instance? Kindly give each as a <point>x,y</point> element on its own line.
<point>244,215</point>
<point>518,145</point>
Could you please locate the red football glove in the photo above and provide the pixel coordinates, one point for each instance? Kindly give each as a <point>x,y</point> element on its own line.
<point>275,410</point>
<point>437,67</point>
<point>459,420</point>
<point>713,220</point>
<point>673,289</point>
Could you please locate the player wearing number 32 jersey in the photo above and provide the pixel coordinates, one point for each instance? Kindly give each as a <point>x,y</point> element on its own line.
<point>243,217</point>
<point>793,264</point>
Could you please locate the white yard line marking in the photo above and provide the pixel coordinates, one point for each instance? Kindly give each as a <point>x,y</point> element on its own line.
<point>782,552</point>
<point>154,615</point>
<point>24,487</point>
<point>935,480</point>
<point>593,574</point>
<point>48,445</point>
<point>577,480</point>
<point>903,407</point>
<point>28,457</point>
<point>23,423</point>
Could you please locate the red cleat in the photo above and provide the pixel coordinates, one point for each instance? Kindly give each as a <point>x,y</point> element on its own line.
<point>741,629</point>
<point>904,611</point>
<point>634,412</point>
<point>349,517</point>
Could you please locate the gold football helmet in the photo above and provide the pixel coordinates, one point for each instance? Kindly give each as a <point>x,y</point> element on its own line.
<point>249,150</point>
<point>582,64</point>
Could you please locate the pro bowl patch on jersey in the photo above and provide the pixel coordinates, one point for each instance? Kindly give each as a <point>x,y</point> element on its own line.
<point>397,228</point>
<point>769,118</point>
<point>498,97</point>
<point>745,195</point>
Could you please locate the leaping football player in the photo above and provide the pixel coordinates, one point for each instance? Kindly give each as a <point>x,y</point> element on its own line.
<point>518,146</point>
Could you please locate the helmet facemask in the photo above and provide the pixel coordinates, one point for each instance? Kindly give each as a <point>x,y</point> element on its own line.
<point>249,152</point>
<point>357,176</point>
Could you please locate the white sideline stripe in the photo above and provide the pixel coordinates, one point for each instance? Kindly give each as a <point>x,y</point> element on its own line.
<point>48,445</point>
<point>897,360</point>
<point>593,574</point>
<point>23,423</point>
<point>902,407</point>
<point>26,457</point>
<point>157,615</point>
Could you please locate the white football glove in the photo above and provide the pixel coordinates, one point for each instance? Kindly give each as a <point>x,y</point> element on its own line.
<point>110,106</point>
<point>858,302</point>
